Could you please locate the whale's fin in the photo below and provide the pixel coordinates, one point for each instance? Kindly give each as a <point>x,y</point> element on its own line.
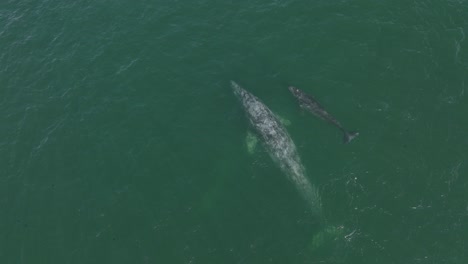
<point>283,120</point>
<point>251,141</point>
<point>348,136</point>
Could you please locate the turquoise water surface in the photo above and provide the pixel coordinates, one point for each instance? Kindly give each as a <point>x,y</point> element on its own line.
<point>121,140</point>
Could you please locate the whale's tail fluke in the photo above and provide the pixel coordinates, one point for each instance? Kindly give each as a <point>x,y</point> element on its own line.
<point>326,244</point>
<point>327,235</point>
<point>348,136</point>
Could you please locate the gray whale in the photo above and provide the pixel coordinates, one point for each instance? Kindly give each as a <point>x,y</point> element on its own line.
<point>309,103</point>
<point>279,145</point>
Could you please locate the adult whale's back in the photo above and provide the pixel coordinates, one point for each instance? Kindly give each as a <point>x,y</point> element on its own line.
<point>279,145</point>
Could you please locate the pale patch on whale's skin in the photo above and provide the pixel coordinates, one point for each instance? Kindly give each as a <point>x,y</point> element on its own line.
<point>279,145</point>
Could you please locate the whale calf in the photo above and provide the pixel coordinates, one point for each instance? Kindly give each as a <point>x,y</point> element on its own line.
<point>309,103</point>
<point>279,145</point>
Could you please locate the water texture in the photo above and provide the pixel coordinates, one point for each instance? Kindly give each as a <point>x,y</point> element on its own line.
<point>121,140</point>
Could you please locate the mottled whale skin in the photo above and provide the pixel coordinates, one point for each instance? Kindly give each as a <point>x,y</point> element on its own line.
<point>309,103</point>
<point>279,145</point>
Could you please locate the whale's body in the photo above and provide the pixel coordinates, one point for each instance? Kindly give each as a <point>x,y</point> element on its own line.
<point>279,145</point>
<point>310,104</point>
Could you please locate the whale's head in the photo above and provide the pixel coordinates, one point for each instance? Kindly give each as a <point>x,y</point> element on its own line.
<point>296,92</point>
<point>238,91</point>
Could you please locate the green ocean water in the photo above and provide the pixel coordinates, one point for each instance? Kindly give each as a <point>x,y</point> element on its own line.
<point>121,140</point>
